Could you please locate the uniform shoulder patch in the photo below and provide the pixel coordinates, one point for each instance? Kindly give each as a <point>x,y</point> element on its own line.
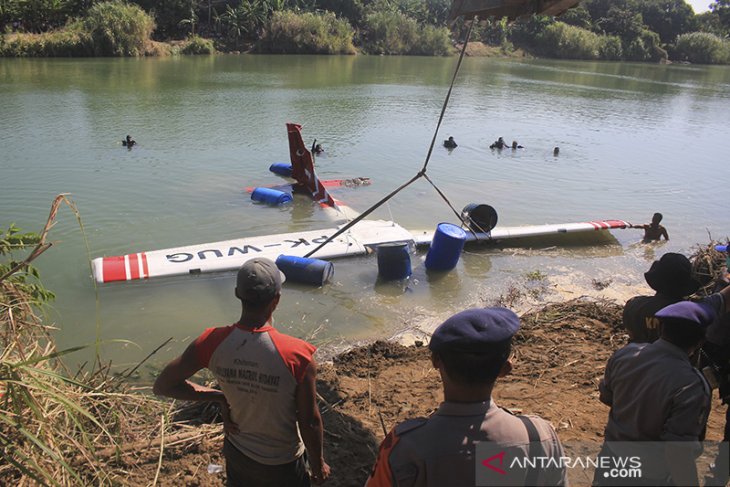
<point>410,425</point>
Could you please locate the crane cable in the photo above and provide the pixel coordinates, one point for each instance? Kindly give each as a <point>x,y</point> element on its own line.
<point>419,174</point>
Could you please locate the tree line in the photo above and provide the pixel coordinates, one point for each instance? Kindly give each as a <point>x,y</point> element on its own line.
<point>632,30</point>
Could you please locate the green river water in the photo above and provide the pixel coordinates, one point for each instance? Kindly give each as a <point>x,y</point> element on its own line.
<point>633,138</point>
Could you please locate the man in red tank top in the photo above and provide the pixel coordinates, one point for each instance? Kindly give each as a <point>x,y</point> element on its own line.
<point>267,388</point>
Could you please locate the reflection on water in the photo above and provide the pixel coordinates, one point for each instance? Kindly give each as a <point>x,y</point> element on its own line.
<point>633,138</point>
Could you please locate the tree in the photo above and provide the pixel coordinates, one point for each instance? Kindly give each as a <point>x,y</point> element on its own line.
<point>192,20</point>
<point>710,22</point>
<point>246,19</point>
<point>42,15</point>
<point>701,47</point>
<point>668,18</point>
<point>578,17</point>
<point>168,14</point>
<point>622,22</point>
<point>598,9</point>
<point>352,10</point>
<point>722,9</point>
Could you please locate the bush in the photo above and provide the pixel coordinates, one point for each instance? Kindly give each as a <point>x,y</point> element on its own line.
<point>525,32</point>
<point>568,42</point>
<point>198,45</point>
<point>307,33</point>
<point>394,33</point>
<point>609,48</point>
<point>389,33</point>
<point>494,33</point>
<point>61,43</point>
<point>433,41</point>
<point>645,47</point>
<point>703,48</point>
<point>118,28</point>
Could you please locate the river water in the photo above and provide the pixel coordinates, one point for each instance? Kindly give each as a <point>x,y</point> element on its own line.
<point>633,138</point>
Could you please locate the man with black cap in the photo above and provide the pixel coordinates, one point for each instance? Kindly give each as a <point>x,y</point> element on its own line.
<point>451,448</point>
<point>671,278</point>
<point>268,388</point>
<point>656,395</point>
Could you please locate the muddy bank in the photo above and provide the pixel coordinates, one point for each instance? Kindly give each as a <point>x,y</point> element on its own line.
<point>559,357</point>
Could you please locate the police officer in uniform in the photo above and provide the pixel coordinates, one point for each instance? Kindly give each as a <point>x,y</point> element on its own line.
<point>656,395</point>
<point>470,350</point>
<point>671,278</point>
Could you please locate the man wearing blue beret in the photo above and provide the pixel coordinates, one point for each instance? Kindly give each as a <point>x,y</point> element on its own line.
<point>469,440</point>
<point>657,396</point>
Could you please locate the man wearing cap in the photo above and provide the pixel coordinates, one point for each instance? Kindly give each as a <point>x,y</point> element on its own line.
<point>469,438</point>
<point>656,395</point>
<point>671,278</point>
<point>268,388</point>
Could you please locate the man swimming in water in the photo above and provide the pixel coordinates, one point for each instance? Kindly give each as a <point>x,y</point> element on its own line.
<point>128,142</point>
<point>450,143</point>
<point>653,231</point>
<point>516,146</point>
<point>317,148</point>
<point>499,144</point>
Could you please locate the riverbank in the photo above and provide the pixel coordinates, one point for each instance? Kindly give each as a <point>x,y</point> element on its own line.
<point>559,358</point>
<point>560,355</point>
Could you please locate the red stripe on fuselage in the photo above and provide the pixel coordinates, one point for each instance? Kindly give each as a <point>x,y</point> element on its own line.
<point>113,269</point>
<point>145,269</point>
<point>133,267</point>
<point>616,223</point>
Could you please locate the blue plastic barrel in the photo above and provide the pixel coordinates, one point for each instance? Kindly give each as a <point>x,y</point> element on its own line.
<point>446,247</point>
<point>270,196</point>
<point>305,270</point>
<point>281,168</point>
<point>394,261</point>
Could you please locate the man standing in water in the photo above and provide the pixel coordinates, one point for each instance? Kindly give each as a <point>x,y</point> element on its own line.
<point>653,231</point>
<point>268,388</point>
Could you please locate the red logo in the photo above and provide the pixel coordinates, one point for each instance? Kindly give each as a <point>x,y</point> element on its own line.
<point>488,463</point>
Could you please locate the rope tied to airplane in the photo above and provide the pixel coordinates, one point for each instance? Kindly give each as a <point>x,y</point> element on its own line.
<point>422,172</point>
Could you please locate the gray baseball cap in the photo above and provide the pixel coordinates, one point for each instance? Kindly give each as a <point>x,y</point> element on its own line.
<point>259,280</point>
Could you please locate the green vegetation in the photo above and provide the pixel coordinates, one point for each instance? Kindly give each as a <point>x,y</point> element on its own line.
<point>118,28</point>
<point>535,276</point>
<point>568,42</point>
<point>60,43</point>
<point>113,28</point>
<point>611,30</point>
<point>23,278</point>
<point>198,45</point>
<point>56,427</point>
<point>395,33</point>
<point>289,33</point>
<point>702,47</point>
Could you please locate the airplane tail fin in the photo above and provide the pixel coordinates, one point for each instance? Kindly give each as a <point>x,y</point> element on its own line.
<point>303,167</point>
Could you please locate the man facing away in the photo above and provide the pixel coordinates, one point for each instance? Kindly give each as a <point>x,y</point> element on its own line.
<point>671,278</point>
<point>653,231</point>
<point>268,388</point>
<point>470,350</point>
<point>656,395</point>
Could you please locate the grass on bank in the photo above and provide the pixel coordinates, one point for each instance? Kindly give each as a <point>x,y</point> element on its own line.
<point>307,33</point>
<point>58,427</point>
